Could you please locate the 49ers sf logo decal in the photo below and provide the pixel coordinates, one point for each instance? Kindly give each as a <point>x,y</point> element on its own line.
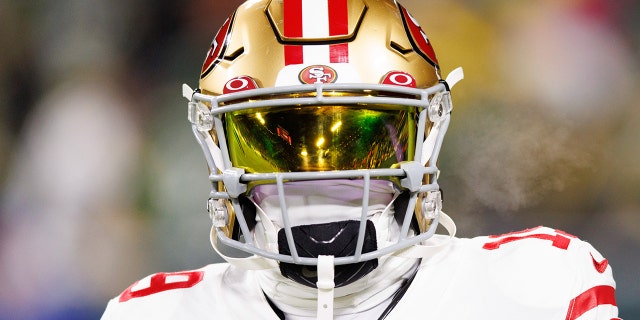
<point>418,38</point>
<point>218,47</point>
<point>318,74</point>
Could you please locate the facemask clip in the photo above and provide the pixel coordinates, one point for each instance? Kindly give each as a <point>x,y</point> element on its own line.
<point>200,115</point>
<point>218,212</point>
<point>431,205</point>
<point>439,106</point>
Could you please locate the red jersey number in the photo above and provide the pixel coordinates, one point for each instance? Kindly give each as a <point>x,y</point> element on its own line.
<point>162,282</point>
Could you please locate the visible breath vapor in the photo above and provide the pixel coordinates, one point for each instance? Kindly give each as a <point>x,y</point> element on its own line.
<point>509,161</point>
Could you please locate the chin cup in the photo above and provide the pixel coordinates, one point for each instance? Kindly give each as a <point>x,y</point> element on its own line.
<point>338,239</point>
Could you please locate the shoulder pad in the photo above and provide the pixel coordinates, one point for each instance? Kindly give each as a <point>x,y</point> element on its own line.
<point>548,268</point>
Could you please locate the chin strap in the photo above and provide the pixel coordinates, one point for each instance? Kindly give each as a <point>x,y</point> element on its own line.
<point>425,250</point>
<point>325,287</point>
<point>255,262</point>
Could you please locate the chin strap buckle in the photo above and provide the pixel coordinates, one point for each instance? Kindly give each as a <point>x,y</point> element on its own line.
<point>432,205</point>
<point>218,212</point>
<point>200,116</point>
<point>439,106</point>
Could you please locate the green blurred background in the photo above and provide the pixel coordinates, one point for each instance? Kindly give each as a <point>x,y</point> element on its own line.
<point>102,183</point>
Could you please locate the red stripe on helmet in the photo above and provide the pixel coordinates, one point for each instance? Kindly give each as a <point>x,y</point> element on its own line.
<point>338,25</point>
<point>338,17</point>
<point>293,28</point>
<point>293,54</point>
<point>339,53</point>
<point>293,18</point>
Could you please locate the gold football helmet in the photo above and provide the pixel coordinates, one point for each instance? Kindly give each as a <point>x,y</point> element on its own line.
<point>294,90</point>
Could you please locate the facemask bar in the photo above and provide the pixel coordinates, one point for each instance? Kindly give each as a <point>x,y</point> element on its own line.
<point>411,173</point>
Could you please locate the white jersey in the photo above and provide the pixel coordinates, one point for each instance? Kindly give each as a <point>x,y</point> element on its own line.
<point>534,274</point>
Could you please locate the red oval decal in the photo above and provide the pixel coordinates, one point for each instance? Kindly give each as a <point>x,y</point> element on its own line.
<point>399,78</point>
<point>237,84</point>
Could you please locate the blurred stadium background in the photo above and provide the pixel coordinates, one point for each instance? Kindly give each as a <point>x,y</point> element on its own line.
<point>102,183</point>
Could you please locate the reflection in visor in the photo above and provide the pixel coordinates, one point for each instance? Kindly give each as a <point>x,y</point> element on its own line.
<point>320,138</point>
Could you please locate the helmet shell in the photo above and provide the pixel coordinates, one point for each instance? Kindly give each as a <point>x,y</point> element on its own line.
<point>273,41</point>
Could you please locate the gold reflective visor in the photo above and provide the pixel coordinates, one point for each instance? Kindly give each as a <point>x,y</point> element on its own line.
<point>320,138</point>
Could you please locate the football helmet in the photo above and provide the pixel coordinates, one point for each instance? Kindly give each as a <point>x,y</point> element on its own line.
<point>321,97</point>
